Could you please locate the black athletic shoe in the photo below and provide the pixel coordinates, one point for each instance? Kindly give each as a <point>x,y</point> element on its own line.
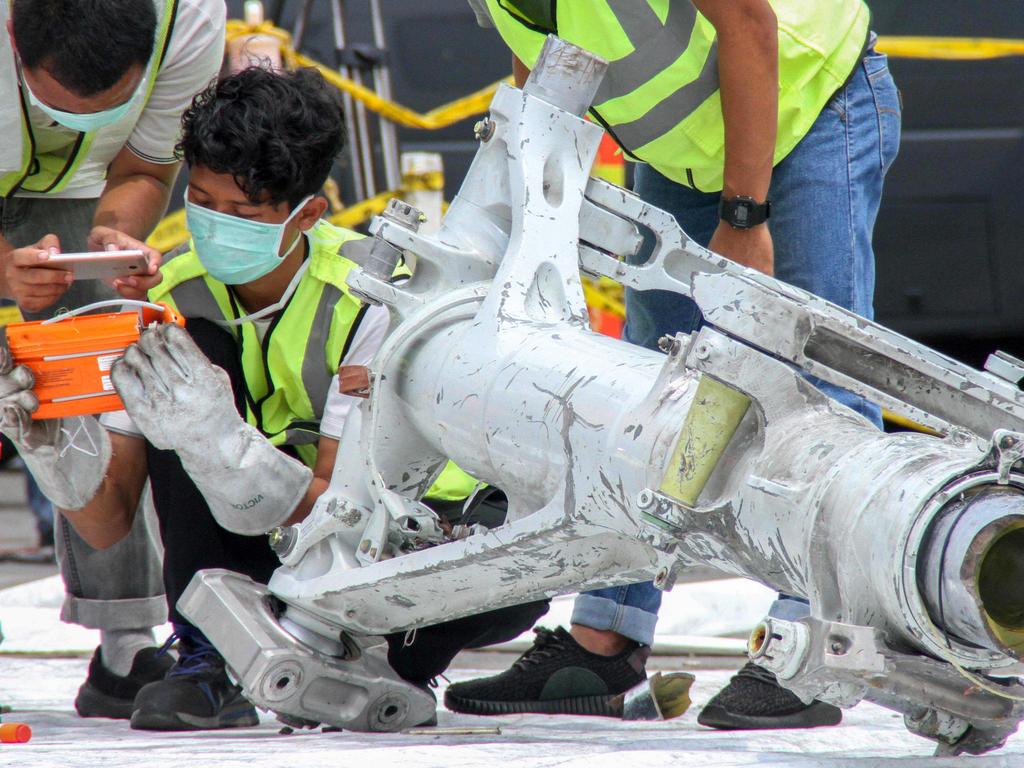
<point>196,695</point>
<point>556,676</point>
<point>104,694</point>
<point>754,700</point>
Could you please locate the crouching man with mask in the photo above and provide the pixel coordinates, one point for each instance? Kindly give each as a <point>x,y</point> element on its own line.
<point>236,419</point>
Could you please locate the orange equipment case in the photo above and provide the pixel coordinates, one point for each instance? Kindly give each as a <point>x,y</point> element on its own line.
<point>71,358</point>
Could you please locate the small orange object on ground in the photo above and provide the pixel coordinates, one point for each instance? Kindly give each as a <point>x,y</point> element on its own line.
<point>71,358</point>
<point>14,733</point>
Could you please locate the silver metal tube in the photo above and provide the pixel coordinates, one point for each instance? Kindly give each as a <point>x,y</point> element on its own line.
<point>972,571</point>
<point>382,80</point>
<point>352,111</point>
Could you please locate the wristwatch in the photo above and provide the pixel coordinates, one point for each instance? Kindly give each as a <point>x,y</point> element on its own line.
<point>743,212</point>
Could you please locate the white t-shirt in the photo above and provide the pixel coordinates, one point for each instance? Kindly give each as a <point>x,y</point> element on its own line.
<point>365,343</point>
<point>193,59</point>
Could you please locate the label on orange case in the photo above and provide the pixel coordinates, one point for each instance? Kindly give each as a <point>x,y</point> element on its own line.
<point>105,361</point>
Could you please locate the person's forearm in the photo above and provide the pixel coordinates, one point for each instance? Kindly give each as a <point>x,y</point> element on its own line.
<point>748,73</point>
<point>6,246</point>
<point>132,204</point>
<point>519,72</point>
<point>313,492</point>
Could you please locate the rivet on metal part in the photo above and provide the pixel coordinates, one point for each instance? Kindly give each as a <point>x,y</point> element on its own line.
<point>702,352</point>
<point>645,499</point>
<point>483,129</point>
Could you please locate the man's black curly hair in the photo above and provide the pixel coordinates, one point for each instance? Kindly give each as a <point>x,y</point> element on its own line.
<point>85,45</point>
<point>277,133</point>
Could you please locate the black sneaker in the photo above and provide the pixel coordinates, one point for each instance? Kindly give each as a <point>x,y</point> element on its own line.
<point>104,694</point>
<point>196,695</point>
<point>754,700</point>
<point>557,676</point>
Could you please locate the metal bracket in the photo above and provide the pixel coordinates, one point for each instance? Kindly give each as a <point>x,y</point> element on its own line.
<point>1007,448</point>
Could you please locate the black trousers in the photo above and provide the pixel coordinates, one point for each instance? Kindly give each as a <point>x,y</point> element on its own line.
<point>193,541</point>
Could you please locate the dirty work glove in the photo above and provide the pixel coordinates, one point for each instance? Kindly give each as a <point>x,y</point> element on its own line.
<point>68,457</point>
<point>183,402</point>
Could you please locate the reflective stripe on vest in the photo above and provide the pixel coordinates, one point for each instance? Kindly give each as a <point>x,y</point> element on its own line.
<point>50,173</point>
<point>660,97</point>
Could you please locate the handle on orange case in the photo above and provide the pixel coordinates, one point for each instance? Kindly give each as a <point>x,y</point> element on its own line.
<point>170,316</point>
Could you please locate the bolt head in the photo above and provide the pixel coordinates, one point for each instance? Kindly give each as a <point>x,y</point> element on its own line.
<point>665,344</point>
<point>483,129</point>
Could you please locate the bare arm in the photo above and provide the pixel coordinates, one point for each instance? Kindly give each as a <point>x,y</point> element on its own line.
<point>748,74</point>
<point>136,194</point>
<point>327,451</point>
<point>131,205</point>
<point>108,518</point>
<point>519,72</point>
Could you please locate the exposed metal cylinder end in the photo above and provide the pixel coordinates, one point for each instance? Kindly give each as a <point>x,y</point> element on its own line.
<point>971,572</point>
<point>566,75</point>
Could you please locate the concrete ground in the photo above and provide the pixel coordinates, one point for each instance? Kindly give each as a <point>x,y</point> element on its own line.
<point>17,532</point>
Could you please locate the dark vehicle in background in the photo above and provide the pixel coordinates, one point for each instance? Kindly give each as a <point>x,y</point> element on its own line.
<point>950,235</point>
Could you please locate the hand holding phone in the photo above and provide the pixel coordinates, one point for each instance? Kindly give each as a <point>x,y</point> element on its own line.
<point>101,265</point>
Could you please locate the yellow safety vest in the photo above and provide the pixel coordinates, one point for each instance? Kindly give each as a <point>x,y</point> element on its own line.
<point>660,99</point>
<point>49,173</point>
<point>288,374</point>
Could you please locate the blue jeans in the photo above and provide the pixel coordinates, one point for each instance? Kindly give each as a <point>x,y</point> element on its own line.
<point>825,196</point>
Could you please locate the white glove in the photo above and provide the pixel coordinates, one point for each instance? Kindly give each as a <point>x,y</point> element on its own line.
<point>67,457</point>
<point>182,402</point>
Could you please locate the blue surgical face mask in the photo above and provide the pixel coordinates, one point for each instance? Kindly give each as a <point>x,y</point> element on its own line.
<point>85,122</point>
<point>236,250</point>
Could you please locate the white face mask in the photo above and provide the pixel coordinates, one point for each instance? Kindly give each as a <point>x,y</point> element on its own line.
<point>275,307</point>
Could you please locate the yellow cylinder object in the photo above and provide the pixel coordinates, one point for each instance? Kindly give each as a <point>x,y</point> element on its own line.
<point>710,423</point>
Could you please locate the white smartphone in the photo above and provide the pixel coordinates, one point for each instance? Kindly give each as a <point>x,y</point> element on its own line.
<point>101,265</point>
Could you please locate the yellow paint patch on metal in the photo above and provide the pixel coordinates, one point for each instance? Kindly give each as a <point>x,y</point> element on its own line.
<point>710,423</point>
<point>903,422</point>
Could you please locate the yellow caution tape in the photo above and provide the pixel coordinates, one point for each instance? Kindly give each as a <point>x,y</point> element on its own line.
<point>172,232</point>
<point>356,214</point>
<point>169,233</point>
<point>950,48</point>
<point>441,117</point>
<point>604,294</point>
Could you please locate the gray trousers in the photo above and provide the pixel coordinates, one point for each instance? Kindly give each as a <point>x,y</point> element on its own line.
<point>120,587</point>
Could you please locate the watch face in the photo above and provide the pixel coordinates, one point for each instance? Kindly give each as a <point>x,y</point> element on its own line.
<point>741,214</point>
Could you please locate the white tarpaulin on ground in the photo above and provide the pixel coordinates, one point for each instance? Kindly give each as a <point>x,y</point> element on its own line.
<point>41,692</point>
